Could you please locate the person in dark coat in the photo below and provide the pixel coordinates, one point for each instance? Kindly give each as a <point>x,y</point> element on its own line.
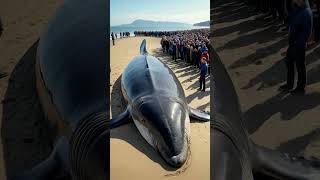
<point>112,37</point>
<point>300,28</point>
<point>203,73</point>
<point>174,51</point>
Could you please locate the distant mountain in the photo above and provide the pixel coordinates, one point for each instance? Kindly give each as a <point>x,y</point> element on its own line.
<point>149,23</point>
<point>204,23</point>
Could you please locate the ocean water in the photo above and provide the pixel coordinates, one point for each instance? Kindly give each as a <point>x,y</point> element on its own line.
<point>132,29</point>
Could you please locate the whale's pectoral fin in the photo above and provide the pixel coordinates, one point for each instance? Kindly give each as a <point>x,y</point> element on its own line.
<point>57,165</point>
<point>284,166</point>
<point>121,119</point>
<point>199,115</point>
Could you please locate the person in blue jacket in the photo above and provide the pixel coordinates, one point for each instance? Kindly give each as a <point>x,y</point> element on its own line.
<point>203,73</point>
<point>300,27</point>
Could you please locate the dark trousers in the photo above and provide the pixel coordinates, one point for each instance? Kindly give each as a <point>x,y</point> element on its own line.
<point>202,82</point>
<point>174,55</point>
<point>281,9</point>
<point>296,57</point>
<point>288,4</point>
<point>113,41</point>
<point>273,8</point>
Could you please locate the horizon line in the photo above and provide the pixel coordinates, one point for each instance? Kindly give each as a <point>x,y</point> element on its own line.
<point>158,21</point>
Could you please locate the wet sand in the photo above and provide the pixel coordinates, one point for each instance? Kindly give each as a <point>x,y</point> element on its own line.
<point>130,155</point>
<point>253,47</point>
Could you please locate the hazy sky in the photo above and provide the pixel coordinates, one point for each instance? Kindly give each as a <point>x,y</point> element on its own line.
<point>186,11</point>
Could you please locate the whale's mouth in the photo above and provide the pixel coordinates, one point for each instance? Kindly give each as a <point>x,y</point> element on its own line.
<point>157,142</point>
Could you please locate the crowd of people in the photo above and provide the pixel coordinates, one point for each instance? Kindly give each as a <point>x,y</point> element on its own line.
<point>283,10</point>
<point>190,46</point>
<point>124,34</point>
<point>153,33</point>
<point>114,36</point>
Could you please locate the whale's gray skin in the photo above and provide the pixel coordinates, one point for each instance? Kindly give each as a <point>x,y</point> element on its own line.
<point>156,102</point>
<point>71,79</point>
<point>233,154</point>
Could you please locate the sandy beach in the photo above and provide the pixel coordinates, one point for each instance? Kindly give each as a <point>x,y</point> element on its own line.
<point>253,47</point>
<point>24,140</point>
<point>130,155</point>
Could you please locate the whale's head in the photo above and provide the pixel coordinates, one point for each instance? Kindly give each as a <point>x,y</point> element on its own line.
<point>164,123</point>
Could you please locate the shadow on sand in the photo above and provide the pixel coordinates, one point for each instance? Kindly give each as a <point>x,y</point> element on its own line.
<point>299,144</point>
<point>289,106</point>
<point>24,132</point>
<point>2,75</point>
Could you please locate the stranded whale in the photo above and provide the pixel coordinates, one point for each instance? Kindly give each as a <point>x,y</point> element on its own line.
<point>157,105</point>
<point>233,154</point>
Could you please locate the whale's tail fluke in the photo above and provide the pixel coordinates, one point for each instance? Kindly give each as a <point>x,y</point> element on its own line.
<point>143,48</point>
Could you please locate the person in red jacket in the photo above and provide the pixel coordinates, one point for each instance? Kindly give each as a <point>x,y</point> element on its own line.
<point>205,55</point>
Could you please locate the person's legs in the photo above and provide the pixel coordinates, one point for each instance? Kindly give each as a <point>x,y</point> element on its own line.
<point>273,8</point>
<point>177,53</point>
<point>203,83</point>
<point>290,58</point>
<point>200,81</point>
<point>290,73</point>
<point>288,8</point>
<point>281,10</point>
<point>173,54</point>
<point>301,70</point>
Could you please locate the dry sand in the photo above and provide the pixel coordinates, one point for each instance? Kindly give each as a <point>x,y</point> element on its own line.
<point>253,48</point>
<point>130,156</point>
<point>19,116</point>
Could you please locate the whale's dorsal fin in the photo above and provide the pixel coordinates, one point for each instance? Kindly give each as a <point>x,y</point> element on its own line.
<point>284,166</point>
<point>121,119</point>
<point>199,115</point>
<point>143,48</point>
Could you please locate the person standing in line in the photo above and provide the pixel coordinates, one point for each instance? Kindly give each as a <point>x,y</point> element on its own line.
<point>300,28</point>
<point>203,73</point>
<point>174,53</point>
<point>112,37</point>
<point>191,54</point>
